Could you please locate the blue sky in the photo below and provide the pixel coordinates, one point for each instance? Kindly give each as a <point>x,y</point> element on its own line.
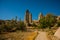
<point>11,8</point>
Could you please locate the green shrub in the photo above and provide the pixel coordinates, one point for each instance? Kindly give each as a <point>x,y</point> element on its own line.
<point>21,26</point>
<point>12,26</point>
<point>34,25</point>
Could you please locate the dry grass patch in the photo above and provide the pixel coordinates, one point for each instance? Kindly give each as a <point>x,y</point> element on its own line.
<point>31,36</point>
<point>18,36</point>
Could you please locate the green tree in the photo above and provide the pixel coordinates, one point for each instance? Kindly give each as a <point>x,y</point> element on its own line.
<point>47,21</point>
<point>58,22</point>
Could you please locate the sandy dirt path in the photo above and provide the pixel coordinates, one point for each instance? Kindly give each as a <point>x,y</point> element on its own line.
<point>42,36</point>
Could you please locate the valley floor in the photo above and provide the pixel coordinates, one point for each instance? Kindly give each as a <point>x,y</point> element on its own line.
<point>32,35</point>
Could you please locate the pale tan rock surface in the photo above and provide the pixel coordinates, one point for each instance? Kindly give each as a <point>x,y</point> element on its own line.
<point>57,33</point>
<point>42,36</point>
